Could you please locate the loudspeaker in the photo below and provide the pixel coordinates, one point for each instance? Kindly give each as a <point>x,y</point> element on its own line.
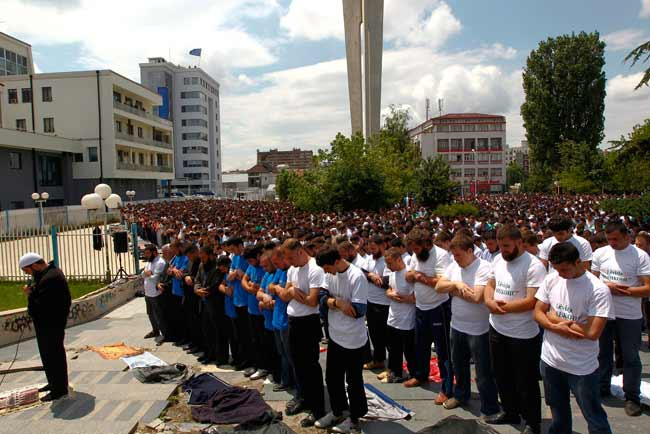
<point>120,242</point>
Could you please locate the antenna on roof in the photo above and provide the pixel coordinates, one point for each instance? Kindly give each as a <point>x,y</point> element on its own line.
<point>440,103</point>
<point>428,106</point>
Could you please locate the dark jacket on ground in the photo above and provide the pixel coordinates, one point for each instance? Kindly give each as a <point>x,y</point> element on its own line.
<point>49,302</point>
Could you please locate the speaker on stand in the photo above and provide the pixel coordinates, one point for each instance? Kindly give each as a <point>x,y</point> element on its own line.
<point>120,246</point>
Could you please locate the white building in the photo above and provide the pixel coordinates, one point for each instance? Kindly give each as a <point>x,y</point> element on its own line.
<point>472,143</point>
<point>15,56</point>
<point>191,102</point>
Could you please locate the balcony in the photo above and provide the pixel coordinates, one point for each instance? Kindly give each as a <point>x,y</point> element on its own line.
<point>142,168</point>
<point>140,112</point>
<point>143,140</point>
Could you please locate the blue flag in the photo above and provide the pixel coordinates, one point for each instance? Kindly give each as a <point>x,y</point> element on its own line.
<point>196,52</point>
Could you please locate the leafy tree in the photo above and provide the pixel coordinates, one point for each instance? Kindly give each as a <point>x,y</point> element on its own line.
<point>514,174</point>
<point>635,55</point>
<point>564,84</point>
<point>283,183</point>
<point>435,186</point>
<point>626,166</point>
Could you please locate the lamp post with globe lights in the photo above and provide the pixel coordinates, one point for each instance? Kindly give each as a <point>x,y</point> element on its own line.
<point>40,199</point>
<point>130,194</point>
<point>101,201</point>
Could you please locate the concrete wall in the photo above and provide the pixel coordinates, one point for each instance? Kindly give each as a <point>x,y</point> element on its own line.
<point>88,308</point>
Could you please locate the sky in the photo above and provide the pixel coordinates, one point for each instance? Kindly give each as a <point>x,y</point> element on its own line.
<point>281,63</point>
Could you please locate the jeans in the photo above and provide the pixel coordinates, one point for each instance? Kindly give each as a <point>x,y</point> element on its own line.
<point>515,366</point>
<point>346,366</point>
<point>558,384</point>
<point>464,347</point>
<point>434,326</point>
<point>304,345</point>
<point>287,373</point>
<point>628,333</point>
<point>377,317</point>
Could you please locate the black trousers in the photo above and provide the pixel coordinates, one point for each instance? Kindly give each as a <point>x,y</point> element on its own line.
<point>231,340</point>
<point>515,365</point>
<point>377,318</point>
<point>209,326</point>
<point>257,332</point>
<point>173,312</point>
<point>304,338</point>
<point>346,366</point>
<point>192,319</point>
<point>401,344</point>
<point>49,339</point>
<point>155,313</point>
<point>246,348</point>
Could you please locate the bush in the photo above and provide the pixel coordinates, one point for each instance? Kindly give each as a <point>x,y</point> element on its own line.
<point>638,207</point>
<point>455,210</point>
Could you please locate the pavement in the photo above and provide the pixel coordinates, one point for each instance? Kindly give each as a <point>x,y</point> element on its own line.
<point>108,399</point>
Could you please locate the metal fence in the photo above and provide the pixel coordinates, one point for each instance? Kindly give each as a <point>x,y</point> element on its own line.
<point>72,249</point>
<point>23,220</point>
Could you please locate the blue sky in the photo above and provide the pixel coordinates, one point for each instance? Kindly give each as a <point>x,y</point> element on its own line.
<point>281,62</point>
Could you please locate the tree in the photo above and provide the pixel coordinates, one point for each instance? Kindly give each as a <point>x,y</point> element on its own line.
<point>284,181</point>
<point>435,186</point>
<point>636,55</point>
<point>564,85</point>
<point>514,174</point>
<point>627,163</point>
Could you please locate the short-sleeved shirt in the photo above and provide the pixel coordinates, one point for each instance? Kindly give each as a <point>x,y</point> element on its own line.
<point>351,286</point>
<point>255,275</point>
<point>583,246</point>
<point>303,279</point>
<point>268,313</point>
<point>575,300</point>
<point>401,315</point>
<point>376,294</point>
<point>512,280</point>
<point>426,297</point>
<point>467,317</point>
<point>180,262</point>
<point>624,267</point>
<point>280,318</point>
<point>240,296</point>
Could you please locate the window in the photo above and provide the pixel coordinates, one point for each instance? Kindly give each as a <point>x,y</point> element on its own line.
<point>140,132</point>
<point>160,160</point>
<point>46,92</point>
<point>443,128</point>
<point>21,124</point>
<point>483,156</point>
<point>26,94</point>
<point>193,94</point>
<point>152,160</point>
<point>470,144</point>
<point>118,126</point>
<point>194,123</point>
<point>496,171</point>
<point>456,144</point>
<point>117,97</point>
<point>15,161</point>
<point>92,154</point>
<point>443,145</point>
<point>128,101</point>
<point>141,159</point>
<point>186,80</point>
<point>483,172</point>
<point>495,143</point>
<point>50,170</point>
<point>195,136</point>
<point>48,125</point>
<point>482,127</point>
<point>495,156</point>
<point>470,173</point>
<point>469,156</point>
<point>195,163</point>
<point>129,129</point>
<point>456,128</point>
<point>482,144</point>
<point>194,109</point>
<point>13,96</point>
<point>195,80</point>
<point>455,173</point>
<point>78,157</point>
<point>469,127</point>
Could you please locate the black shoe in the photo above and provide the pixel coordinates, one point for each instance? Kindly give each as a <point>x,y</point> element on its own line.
<point>250,371</point>
<point>632,408</point>
<point>204,360</point>
<point>280,387</point>
<point>181,343</point>
<point>503,418</point>
<point>194,350</point>
<point>160,340</point>
<point>150,335</point>
<point>45,388</point>
<point>531,430</point>
<point>294,407</point>
<point>53,397</point>
<point>188,347</point>
<point>310,420</point>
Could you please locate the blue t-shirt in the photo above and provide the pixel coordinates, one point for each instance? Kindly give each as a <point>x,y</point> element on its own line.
<point>280,317</point>
<point>240,296</point>
<point>179,262</point>
<point>255,275</point>
<point>268,313</point>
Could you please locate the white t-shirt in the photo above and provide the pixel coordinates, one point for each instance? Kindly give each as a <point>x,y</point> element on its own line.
<point>477,251</point>
<point>468,317</point>
<point>360,262</point>
<point>304,278</point>
<point>426,297</point>
<point>576,300</point>
<point>377,294</point>
<point>512,279</point>
<point>351,286</point>
<point>401,315</point>
<point>406,258</point>
<point>580,243</point>
<point>488,256</point>
<point>157,266</point>
<point>623,267</point>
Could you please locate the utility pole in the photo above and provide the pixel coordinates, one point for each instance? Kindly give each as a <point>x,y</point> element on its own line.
<point>428,106</point>
<point>440,102</point>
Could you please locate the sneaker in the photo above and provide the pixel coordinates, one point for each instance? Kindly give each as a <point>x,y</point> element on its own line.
<point>310,420</point>
<point>452,403</point>
<point>325,421</point>
<point>259,374</point>
<point>632,408</point>
<point>347,426</point>
<point>441,399</point>
<point>250,371</point>
<point>383,374</point>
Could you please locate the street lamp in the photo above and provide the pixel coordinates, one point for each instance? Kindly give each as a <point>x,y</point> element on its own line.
<point>40,199</point>
<point>130,194</point>
<point>102,199</point>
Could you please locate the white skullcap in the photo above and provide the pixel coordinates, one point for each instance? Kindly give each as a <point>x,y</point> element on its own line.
<point>28,259</point>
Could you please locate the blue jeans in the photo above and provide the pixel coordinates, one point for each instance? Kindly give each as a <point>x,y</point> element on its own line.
<point>558,384</point>
<point>434,326</point>
<point>628,333</point>
<point>464,347</point>
<point>287,376</point>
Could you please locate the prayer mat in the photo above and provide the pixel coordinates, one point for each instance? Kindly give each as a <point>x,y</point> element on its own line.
<point>115,351</point>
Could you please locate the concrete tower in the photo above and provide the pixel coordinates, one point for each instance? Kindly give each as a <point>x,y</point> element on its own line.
<point>364,104</point>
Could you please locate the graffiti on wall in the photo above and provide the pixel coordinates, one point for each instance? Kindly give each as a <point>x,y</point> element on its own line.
<point>18,324</point>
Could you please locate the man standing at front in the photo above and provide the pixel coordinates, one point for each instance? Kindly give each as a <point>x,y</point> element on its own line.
<point>625,269</point>
<point>304,282</point>
<point>48,303</point>
<point>573,306</point>
<point>151,274</point>
<point>514,334</point>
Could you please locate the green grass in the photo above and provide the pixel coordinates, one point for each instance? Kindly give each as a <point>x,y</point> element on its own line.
<point>12,296</point>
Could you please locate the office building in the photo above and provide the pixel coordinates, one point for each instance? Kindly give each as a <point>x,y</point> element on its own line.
<point>294,159</point>
<point>191,102</point>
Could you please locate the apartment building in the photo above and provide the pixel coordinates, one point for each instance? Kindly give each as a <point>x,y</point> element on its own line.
<point>294,159</point>
<point>472,143</point>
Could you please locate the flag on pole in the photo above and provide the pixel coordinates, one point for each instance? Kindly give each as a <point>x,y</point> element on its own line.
<point>195,52</point>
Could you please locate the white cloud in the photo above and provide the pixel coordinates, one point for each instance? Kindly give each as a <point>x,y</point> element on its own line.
<point>624,39</point>
<point>645,9</point>
<point>624,106</point>
<point>314,20</point>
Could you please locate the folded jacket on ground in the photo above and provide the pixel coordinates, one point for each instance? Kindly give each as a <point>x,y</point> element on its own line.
<point>202,387</point>
<point>161,374</point>
<point>233,405</point>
